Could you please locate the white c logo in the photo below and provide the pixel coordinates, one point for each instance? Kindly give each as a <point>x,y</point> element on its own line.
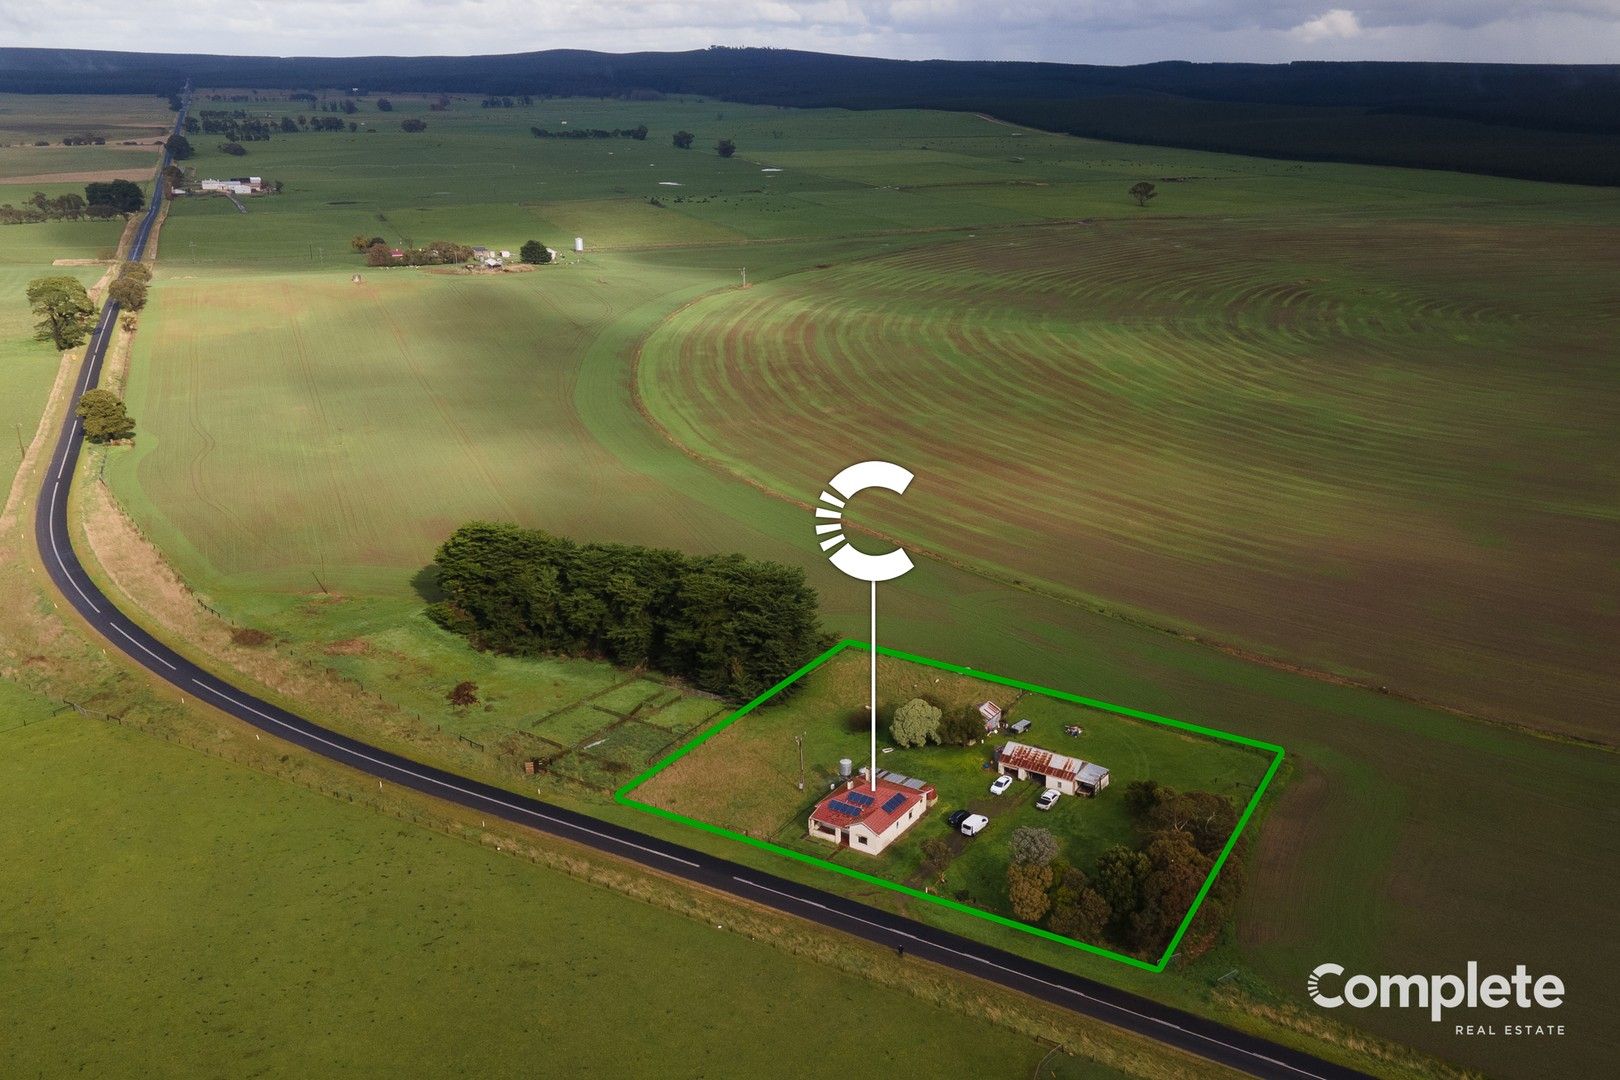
<point>858,564</point>
<point>1313,986</point>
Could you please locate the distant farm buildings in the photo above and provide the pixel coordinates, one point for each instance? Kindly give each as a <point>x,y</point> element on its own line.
<point>490,257</point>
<point>1060,772</point>
<point>859,817</point>
<point>236,185</point>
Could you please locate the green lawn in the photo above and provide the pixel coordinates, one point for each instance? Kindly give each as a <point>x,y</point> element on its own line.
<point>294,423</point>
<point>171,915</point>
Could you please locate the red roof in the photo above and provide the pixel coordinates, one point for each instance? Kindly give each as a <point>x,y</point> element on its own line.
<point>1034,759</point>
<point>869,805</point>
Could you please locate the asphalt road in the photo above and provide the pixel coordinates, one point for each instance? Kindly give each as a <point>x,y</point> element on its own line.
<point>1161,1023</point>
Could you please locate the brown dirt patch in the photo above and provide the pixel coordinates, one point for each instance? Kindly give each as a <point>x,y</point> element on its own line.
<point>134,171</point>
<point>250,637</point>
<point>348,647</point>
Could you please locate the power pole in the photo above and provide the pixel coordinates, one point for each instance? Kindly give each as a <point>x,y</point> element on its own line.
<point>800,740</point>
<point>745,277</point>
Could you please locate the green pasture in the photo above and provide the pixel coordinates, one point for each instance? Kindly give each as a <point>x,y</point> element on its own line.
<point>1378,448</point>
<point>294,423</point>
<point>20,707</point>
<point>154,892</point>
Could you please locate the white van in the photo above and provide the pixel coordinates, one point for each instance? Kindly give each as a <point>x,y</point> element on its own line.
<point>974,824</point>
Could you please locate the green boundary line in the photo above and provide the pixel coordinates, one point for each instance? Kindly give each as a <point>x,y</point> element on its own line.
<point>622,797</point>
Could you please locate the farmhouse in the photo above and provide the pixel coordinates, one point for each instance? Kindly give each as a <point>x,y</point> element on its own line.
<point>1060,772</point>
<point>857,817</point>
<point>236,185</point>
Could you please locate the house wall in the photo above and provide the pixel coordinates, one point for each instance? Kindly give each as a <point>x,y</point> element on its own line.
<point>819,832</point>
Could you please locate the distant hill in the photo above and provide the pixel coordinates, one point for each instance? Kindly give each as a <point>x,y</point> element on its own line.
<point>1537,121</point>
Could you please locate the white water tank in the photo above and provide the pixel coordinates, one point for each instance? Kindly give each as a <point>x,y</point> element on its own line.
<point>845,767</point>
<point>579,243</point>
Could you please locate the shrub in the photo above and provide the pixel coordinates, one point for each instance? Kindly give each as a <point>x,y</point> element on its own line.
<point>1033,845</point>
<point>915,723</point>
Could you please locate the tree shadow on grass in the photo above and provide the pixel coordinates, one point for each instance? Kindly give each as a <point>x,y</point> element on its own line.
<point>426,583</point>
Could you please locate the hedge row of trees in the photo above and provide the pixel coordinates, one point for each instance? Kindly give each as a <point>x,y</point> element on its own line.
<point>235,125</point>
<point>637,132</point>
<point>437,253</point>
<point>43,207</point>
<point>728,624</point>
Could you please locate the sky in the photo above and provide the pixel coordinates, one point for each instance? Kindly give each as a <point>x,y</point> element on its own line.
<point>1076,31</point>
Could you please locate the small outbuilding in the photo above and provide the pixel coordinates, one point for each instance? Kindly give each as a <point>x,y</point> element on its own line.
<point>1091,778</point>
<point>990,713</point>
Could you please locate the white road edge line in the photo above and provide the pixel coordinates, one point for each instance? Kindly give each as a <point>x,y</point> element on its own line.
<point>442,783</point>
<point>142,646</point>
<point>68,573</point>
<point>1030,978</point>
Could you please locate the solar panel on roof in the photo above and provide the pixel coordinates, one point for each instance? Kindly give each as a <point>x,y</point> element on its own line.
<point>894,801</point>
<point>859,798</point>
<point>914,784</point>
<point>838,806</point>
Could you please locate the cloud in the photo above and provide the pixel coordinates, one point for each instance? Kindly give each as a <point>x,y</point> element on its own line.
<point>1081,31</point>
<point>1336,23</point>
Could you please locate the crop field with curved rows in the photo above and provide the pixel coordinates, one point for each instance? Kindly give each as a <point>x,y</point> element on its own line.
<point>1385,450</point>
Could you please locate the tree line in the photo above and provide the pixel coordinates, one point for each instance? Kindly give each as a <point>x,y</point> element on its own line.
<point>236,126</point>
<point>436,253</point>
<point>637,132</point>
<point>101,199</point>
<point>727,624</point>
